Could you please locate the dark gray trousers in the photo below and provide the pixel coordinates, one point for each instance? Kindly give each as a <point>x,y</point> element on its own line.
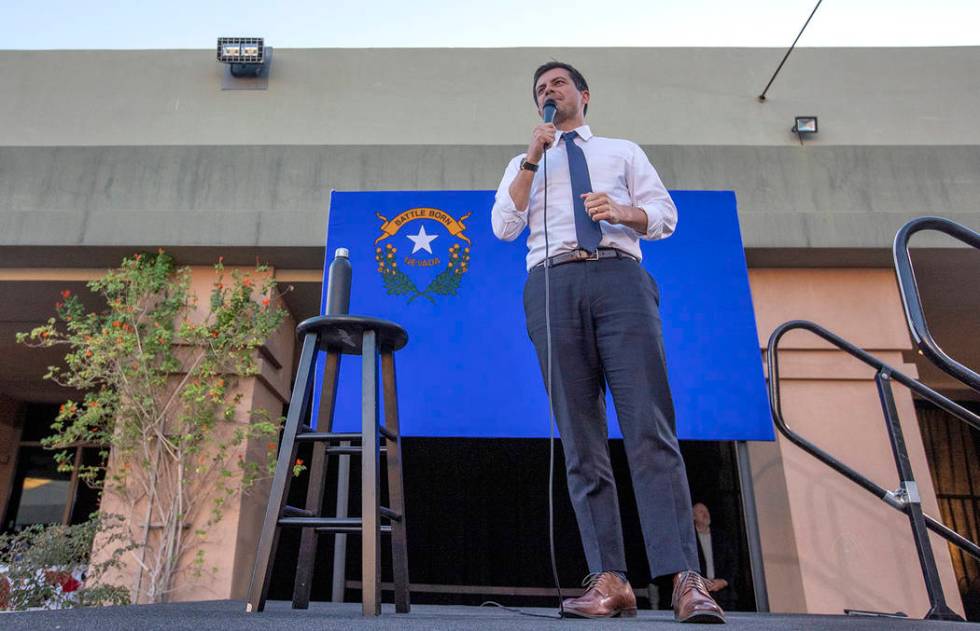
<point>605,327</point>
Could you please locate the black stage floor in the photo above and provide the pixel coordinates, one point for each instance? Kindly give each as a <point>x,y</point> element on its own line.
<point>230,615</point>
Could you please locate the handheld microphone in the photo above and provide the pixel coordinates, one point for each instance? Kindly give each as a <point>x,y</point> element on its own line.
<point>548,110</point>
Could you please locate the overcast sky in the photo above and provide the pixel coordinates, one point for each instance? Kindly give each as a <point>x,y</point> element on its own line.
<point>53,24</point>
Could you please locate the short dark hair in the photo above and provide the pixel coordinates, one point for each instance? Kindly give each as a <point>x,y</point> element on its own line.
<point>577,78</point>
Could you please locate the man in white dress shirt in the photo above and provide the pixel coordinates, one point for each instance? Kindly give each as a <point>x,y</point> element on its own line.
<point>603,196</point>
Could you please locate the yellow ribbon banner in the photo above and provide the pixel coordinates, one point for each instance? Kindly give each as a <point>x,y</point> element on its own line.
<point>391,227</point>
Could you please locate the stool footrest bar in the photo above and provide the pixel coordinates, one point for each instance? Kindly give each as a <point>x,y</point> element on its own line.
<point>292,511</point>
<point>387,513</point>
<point>321,522</point>
<point>328,437</point>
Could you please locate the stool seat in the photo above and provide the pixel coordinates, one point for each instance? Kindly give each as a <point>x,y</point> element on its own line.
<point>343,333</point>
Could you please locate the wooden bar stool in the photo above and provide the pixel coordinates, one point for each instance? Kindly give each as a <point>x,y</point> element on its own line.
<point>341,335</point>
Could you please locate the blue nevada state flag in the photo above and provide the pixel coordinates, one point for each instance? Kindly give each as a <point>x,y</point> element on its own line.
<point>428,260</point>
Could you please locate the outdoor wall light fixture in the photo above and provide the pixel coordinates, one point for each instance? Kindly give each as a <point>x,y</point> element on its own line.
<point>804,126</point>
<point>245,56</point>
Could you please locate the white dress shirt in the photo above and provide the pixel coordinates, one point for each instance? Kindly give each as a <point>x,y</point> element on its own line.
<point>616,167</point>
<point>704,538</point>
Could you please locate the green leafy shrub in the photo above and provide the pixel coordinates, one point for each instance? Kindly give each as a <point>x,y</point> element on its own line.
<point>159,374</point>
<point>38,566</point>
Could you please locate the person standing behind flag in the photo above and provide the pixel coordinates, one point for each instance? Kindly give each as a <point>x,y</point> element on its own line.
<point>716,556</point>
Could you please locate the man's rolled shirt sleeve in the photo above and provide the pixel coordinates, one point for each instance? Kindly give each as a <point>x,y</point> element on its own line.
<point>648,193</point>
<point>507,221</point>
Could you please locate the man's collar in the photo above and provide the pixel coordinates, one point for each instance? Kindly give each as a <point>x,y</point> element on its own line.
<point>584,132</point>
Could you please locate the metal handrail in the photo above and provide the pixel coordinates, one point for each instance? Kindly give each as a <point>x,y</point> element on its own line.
<point>909,291</point>
<point>906,498</point>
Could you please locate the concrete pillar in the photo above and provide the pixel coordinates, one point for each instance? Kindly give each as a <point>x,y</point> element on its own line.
<point>229,545</point>
<point>828,544</point>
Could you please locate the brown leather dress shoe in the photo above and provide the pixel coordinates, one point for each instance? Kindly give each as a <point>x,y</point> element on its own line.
<point>692,602</point>
<point>608,596</point>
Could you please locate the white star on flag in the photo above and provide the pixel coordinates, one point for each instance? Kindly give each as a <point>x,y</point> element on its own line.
<point>422,240</point>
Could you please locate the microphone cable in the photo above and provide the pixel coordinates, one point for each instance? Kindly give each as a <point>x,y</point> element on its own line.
<point>551,412</point>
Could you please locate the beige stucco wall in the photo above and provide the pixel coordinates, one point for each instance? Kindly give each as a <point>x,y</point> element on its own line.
<point>828,544</point>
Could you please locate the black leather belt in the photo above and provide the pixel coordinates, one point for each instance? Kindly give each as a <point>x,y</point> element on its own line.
<point>575,256</point>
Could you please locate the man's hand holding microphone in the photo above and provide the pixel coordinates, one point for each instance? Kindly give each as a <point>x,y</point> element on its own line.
<point>542,137</point>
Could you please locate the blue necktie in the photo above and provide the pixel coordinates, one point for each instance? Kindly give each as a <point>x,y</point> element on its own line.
<point>587,232</point>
